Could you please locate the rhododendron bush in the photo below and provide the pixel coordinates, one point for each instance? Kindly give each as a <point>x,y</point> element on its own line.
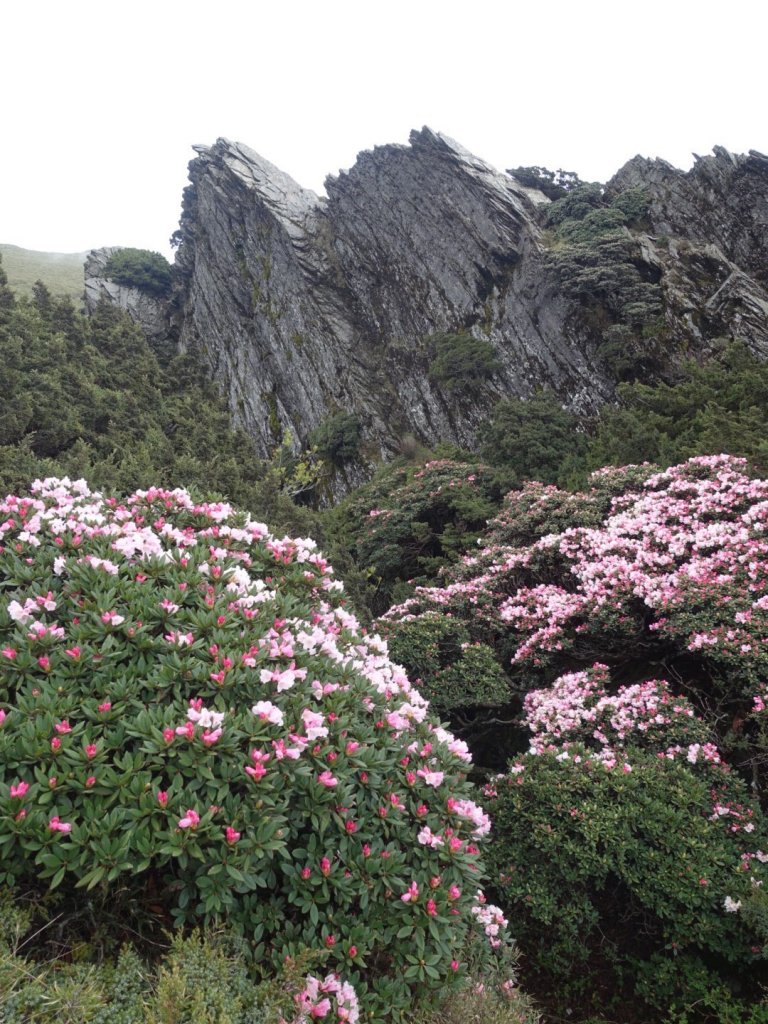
<point>629,849</point>
<point>646,569</point>
<point>630,623</point>
<point>194,726</point>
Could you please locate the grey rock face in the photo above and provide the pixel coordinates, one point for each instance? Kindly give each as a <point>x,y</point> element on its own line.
<point>149,313</point>
<point>709,229</point>
<point>721,201</point>
<point>307,306</point>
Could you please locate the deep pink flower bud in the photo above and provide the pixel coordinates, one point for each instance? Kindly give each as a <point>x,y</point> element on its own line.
<point>162,797</point>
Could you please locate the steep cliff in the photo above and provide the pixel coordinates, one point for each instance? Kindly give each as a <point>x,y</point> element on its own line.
<point>426,286</point>
<point>308,306</point>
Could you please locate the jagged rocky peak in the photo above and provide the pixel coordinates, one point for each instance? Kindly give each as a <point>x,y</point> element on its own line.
<point>309,307</point>
<point>287,200</point>
<point>722,201</point>
<point>426,286</point>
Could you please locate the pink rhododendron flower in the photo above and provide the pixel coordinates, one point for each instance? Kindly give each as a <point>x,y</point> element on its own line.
<point>57,825</point>
<point>268,712</point>
<point>190,820</point>
<point>411,894</point>
<point>111,618</point>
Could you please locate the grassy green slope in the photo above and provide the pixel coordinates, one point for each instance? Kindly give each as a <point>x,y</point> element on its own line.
<point>62,272</point>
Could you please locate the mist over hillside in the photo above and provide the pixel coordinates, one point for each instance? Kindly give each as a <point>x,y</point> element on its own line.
<point>61,272</point>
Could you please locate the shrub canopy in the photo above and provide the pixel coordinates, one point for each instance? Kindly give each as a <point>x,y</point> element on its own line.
<point>139,268</point>
<point>194,727</point>
<point>628,626</point>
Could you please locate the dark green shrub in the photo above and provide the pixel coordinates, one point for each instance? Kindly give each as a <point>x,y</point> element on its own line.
<point>458,673</point>
<point>461,360</point>
<point>576,204</point>
<point>554,184</point>
<point>617,880</point>
<point>338,438</point>
<point>535,438</point>
<point>401,529</point>
<point>139,268</point>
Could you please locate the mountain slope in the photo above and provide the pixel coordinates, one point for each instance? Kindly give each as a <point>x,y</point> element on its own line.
<point>62,272</point>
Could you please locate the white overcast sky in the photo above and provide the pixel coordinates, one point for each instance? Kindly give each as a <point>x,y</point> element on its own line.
<point>103,100</point>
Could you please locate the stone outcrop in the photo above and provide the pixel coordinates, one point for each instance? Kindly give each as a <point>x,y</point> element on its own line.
<point>307,307</point>
<point>151,314</point>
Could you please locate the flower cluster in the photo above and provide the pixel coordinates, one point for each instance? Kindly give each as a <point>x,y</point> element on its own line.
<point>331,999</point>
<point>188,704</point>
<point>645,568</point>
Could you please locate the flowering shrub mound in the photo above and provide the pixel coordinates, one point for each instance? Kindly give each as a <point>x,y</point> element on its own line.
<point>193,726</point>
<point>630,623</point>
<point>646,568</point>
<point>632,857</point>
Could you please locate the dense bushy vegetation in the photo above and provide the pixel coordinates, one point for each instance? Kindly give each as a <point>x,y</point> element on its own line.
<point>554,184</point>
<point>629,624</point>
<point>139,268</point>
<point>192,727</point>
<point>88,397</point>
<point>460,360</point>
<point>337,440</point>
<point>720,405</point>
<point>400,530</point>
